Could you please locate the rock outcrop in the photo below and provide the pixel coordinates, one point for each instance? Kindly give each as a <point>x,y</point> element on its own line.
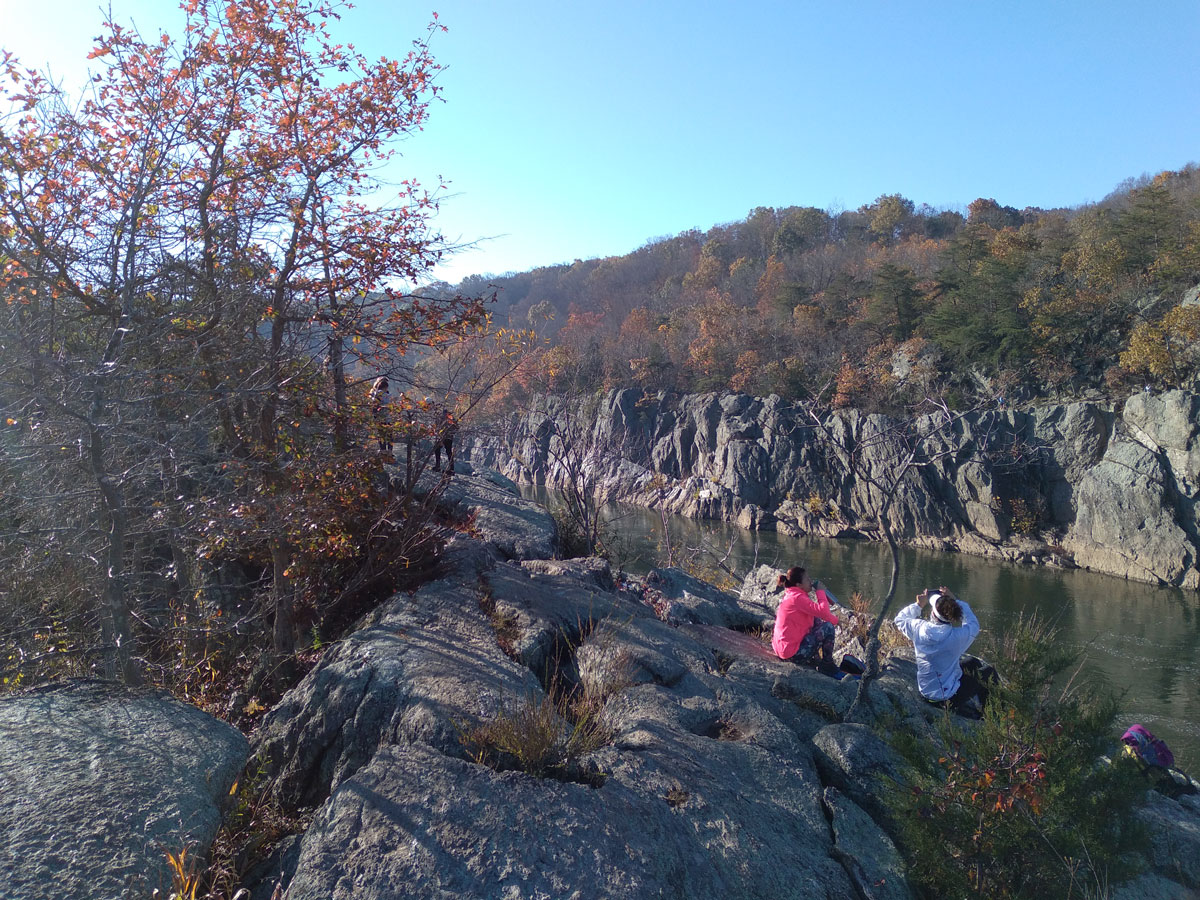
<point>1114,490</point>
<point>706,766</point>
<point>518,728</point>
<point>98,783</point>
<point>706,782</point>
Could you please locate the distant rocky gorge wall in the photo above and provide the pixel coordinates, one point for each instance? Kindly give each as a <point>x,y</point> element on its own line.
<point>1112,489</point>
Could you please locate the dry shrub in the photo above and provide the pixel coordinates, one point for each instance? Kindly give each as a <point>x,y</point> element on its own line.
<point>548,735</point>
<point>536,736</point>
<point>859,622</point>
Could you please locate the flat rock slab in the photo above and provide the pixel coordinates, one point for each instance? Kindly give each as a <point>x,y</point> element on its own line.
<point>519,529</point>
<point>98,782</point>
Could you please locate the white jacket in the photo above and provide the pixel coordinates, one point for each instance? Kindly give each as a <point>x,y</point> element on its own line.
<point>938,647</point>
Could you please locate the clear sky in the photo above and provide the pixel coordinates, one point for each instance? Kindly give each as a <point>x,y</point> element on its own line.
<point>577,130</point>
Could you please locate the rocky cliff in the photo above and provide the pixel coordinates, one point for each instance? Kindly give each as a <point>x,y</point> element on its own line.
<point>1081,484</point>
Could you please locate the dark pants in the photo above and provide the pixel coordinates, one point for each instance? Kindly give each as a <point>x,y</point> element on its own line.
<point>448,444</point>
<point>977,676</point>
<point>384,432</point>
<point>816,648</point>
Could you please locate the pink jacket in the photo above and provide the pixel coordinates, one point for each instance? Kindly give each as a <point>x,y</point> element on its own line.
<point>795,616</point>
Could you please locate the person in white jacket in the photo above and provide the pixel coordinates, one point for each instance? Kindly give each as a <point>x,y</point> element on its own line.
<point>939,642</point>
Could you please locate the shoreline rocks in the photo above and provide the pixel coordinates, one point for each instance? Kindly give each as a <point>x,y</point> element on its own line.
<point>680,757</point>
<point>1077,484</point>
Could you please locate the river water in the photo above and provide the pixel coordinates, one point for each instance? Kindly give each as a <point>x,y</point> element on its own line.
<point>1139,640</point>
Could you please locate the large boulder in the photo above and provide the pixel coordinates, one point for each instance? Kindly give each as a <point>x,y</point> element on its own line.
<point>1169,422</point>
<point>1126,520</point>
<point>1070,439</point>
<point>689,599</point>
<point>858,763</point>
<point>100,782</point>
<point>874,863</point>
<point>429,826</point>
<point>1174,838</point>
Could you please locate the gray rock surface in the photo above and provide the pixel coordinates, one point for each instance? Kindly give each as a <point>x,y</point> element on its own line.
<point>760,594</point>
<point>1057,485</point>
<point>712,769</point>
<point>1151,886</point>
<point>691,600</point>
<point>858,763</point>
<point>868,853</point>
<point>1174,838</point>
<point>705,784</point>
<point>418,824</point>
<point>98,783</point>
<point>1126,520</point>
<point>422,665</point>
<point>519,529</point>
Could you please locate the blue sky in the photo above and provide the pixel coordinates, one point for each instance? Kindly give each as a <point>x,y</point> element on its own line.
<point>577,130</point>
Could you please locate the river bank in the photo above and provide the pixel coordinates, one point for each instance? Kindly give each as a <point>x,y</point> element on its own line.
<point>710,767</point>
<point>1112,490</point>
<point>1140,640</point>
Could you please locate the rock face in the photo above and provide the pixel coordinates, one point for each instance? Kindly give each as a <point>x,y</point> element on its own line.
<point>98,783</point>
<point>683,759</point>
<point>1075,484</point>
<point>705,781</point>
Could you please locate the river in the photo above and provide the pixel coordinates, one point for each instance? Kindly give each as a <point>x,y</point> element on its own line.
<point>1138,639</point>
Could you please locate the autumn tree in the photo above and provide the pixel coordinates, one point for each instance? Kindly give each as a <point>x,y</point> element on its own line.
<point>1167,350</point>
<point>986,211</point>
<point>197,255</point>
<point>802,229</point>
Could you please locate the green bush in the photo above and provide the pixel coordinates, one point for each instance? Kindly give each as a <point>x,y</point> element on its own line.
<point>1021,804</point>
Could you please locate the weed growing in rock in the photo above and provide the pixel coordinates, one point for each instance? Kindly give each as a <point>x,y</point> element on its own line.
<point>1022,804</point>
<point>504,622</point>
<point>535,737</point>
<point>677,797</point>
<point>251,831</point>
<point>549,735</point>
<point>859,625</point>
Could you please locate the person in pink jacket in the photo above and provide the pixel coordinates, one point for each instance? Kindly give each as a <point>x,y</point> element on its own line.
<point>804,626</point>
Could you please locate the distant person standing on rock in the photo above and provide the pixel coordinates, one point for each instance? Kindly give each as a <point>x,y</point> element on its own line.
<point>804,625</point>
<point>378,397</point>
<point>444,440</point>
<point>939,642</point>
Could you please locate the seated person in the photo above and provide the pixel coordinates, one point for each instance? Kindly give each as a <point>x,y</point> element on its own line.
<point>939,642</point>
<point>804,625</point>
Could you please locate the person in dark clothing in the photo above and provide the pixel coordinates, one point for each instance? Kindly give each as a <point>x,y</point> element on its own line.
<point>444,440</point>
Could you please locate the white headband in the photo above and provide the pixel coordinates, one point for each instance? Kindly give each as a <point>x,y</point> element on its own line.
<point>933,599</point>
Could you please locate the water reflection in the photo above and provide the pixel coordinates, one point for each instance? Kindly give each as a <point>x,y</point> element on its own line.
<point>1139,639</point>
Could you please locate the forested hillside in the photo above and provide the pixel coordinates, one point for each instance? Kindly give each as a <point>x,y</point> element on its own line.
<point>877,305</point>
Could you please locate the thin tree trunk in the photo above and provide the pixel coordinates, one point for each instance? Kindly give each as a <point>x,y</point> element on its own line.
<point>284,634</point>
<point>872,648</point>
<point>116,626</point>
